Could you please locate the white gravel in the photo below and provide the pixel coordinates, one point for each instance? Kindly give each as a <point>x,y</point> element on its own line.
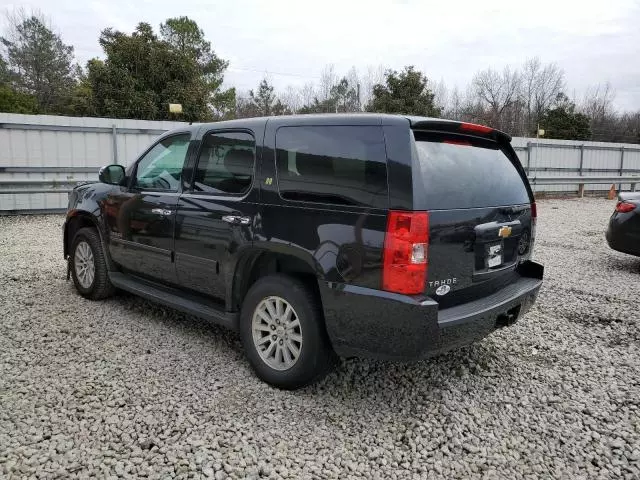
<point>124,388</point>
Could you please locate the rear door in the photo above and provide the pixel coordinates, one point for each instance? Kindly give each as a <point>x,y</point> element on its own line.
<point>481,219</point>
<point>216,215</point>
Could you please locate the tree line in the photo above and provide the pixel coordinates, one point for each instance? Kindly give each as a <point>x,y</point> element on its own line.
<point>143,71</point>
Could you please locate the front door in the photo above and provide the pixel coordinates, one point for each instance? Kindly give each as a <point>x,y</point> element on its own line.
<point>141,217</point>
<point>216,216</point>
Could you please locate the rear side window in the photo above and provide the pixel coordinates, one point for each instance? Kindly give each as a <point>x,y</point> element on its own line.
<point>462,172</point>
<point>225,163</point>
<point>332,164</point>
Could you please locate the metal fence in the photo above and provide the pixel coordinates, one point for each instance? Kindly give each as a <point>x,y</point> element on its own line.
<point>548,161</point>
<point>42,157</point>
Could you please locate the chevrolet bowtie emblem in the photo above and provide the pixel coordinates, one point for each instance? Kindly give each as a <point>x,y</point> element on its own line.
<point>504,232</point>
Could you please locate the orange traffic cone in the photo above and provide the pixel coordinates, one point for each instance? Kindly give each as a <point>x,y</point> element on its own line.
<point>612,192</point>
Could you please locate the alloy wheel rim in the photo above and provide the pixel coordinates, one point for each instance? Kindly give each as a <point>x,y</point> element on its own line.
<point>523,243</point>
<point>277,333</point>
<point>84,264</point>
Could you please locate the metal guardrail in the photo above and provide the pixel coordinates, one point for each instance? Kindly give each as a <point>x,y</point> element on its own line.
<point>66,185</point>
<point>42,185</point>
<point>576,146</point>
<point>581,181</point>
<point>632,179</point>
<point>81,128</point>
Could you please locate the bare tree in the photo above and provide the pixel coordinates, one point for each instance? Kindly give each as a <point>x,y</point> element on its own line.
<point>598,107</point>
<point>441,96</point>
<point>541,85</point>
<point>629,128</point>
<point>353,79</point>
<point>292,98</point>
<point>328,79</point>
<point>454,108</point>
<point>374,76</point>
<point>245,108</point>
<point>472,108</point>
<point>308,93</point>
<point>499,92</point>
<point>598,102</point>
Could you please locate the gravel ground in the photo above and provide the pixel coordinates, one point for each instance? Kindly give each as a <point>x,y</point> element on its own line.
<point>124,388</point>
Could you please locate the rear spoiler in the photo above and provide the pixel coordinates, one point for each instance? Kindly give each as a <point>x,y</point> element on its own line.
<point>463,128</point>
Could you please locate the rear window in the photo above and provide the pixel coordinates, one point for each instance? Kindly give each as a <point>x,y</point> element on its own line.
<point>462,172</point>
<point>340,165</point>
<point>225,164</point>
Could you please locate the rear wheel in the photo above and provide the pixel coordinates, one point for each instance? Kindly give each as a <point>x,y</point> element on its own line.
<point>283,333</point>
<point>89,265</point>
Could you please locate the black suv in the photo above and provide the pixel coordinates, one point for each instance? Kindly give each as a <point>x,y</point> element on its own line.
<point>359,235</point>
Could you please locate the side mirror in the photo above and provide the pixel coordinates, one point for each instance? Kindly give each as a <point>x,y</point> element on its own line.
<point>112,174</point>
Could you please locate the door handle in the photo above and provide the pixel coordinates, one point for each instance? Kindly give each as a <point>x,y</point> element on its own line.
<point>161,211</point>
<point>236,220</point>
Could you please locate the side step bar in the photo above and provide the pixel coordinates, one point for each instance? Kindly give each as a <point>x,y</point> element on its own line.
<point>173,298</point>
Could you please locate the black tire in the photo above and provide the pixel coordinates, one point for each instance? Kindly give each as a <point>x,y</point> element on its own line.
<point>101,286</point>
<point>316,356</point>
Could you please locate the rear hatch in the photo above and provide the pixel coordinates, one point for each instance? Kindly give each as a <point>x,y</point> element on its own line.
<point>481,210</point>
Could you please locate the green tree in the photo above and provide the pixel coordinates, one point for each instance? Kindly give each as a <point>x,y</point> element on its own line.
<point>324,106</point>
<point>79,103</point>
<point>143,73</point>
<point>263,103</point>
<point>12,101</point>
<point>563,122</point>
<point>4,70</point>
<point>343,97</point>
<point>185,36</point>
<point>16,102</point>
<point>39,62</point>
<point>406,92</point>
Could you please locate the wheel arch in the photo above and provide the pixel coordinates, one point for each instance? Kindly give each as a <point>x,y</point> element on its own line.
<point>257,263</point>
<point>76,220</point>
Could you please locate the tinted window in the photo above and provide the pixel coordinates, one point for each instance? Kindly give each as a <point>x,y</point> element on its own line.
<point>225,164</point>
<point>457,172</point>
<point>339,165</point>
<point>161,167</point>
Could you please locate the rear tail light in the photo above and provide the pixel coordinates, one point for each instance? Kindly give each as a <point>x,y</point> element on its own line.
<point>474,127</point>
<point>406,243</point>
<point>534,211</point>
<point>625,207</point>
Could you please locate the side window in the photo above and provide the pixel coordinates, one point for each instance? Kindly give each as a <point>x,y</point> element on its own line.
<point>333,164</point>
<point>161,167</point>
<point>225,164</point>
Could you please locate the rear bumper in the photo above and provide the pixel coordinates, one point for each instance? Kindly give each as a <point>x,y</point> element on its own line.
<point>621,240</point>
<point>372,323</point>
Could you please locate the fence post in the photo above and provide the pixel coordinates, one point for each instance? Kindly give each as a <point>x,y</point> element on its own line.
<point>621,166</point>
<point>528,158</point>
<point>114,143</point>
<point>581,186</point>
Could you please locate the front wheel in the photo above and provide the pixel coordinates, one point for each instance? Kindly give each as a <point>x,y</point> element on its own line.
<point>283,333</point>
<point>89,265</point>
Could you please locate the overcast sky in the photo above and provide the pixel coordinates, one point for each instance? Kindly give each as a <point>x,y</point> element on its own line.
<point>593,41</point>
